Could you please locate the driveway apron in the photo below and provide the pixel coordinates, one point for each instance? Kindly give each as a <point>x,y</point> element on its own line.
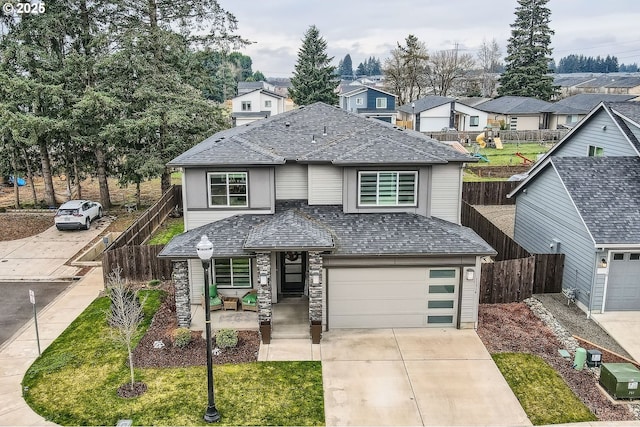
<point>429,377</point>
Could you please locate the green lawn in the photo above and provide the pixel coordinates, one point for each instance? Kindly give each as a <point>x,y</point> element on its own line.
<point>507,156</point>
<point>543,394</point>
<point>75,382</point>
<point>167,230</point>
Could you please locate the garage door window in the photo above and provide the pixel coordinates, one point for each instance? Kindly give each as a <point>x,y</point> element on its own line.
<point>440,319</point>
<point>442,292</point>
<point>442,289</point>
<point>440,304</point>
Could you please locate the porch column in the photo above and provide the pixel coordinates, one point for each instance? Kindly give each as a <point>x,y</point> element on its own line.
<point>263,262</point>
<point>315,289</point>
<point>180,278</point>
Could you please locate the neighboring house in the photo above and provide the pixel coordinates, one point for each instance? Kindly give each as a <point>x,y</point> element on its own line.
<point>582,199</point>
<point>369,102</point>
<point>435,113</point>
<point>567,112</point>
<point>255,105</point>
<point>516,112</point>
<point>359,216</point>
<point>609,83</point>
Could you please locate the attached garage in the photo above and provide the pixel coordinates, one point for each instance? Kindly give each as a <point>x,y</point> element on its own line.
<point>623,287</point>
<point>393,297</point>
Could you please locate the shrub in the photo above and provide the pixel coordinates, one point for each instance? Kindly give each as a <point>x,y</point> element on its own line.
<point>227,338</point>
<point>154,282</point>
<point>181,337</point>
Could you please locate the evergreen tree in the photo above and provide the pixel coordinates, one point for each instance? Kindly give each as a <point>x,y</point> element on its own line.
<point>314,78</point>
<point>529,53</point>
<point>345,67</point>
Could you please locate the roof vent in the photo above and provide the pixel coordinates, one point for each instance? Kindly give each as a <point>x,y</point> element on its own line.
<point>324,131</point>
<point>287,124</point>
<point>313,139</point>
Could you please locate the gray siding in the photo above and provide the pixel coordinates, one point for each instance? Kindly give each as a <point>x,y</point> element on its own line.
<point>544,213</point>
<point>324,185</point>
<point>291,182</point>
<point>592,133</point>
<point>446,192</point>
<point>261,188</point>
<point>350,191</point>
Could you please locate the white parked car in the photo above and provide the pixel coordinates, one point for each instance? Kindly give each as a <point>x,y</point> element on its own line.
<point>76,214</point>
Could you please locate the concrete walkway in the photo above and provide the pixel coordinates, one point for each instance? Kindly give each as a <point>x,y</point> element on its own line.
<point>20,351</point>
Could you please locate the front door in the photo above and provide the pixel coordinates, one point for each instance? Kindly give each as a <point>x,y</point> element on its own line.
<point>292,273</point>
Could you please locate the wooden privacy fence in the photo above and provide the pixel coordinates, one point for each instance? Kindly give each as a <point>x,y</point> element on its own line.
<point>138,263</point>
<point>516,274</point>
<point>507,136</point>
<point>514,280</point>
<point>150,220</point>
<point>488,193</point>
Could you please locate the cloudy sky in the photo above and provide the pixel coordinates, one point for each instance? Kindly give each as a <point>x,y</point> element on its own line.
<point>372,28</point>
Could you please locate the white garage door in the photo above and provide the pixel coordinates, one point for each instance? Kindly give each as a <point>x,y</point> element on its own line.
<point>392,297</point>
<point>623,288</point>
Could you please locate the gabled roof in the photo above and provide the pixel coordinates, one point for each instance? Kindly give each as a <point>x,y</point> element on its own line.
<point>318,133</point>
<point>351,91</point>
<point>263,91</point>
<point>611,81</point>
<point>630,107</point>
<point>606,193</point>
<point>364,234</point>
<point>514,105</point>
<point>582,103</point>
<point>424,104</point>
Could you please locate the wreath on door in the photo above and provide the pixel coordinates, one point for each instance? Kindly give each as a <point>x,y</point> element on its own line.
<point>292,256</point>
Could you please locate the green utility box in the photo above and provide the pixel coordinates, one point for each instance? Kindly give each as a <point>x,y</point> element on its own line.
<point>620,380</point>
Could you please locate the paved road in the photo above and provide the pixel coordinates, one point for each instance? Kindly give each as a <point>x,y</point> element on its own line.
<point>15,307</point>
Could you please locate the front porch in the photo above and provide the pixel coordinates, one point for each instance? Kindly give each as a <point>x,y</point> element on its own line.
<point>290,319</point>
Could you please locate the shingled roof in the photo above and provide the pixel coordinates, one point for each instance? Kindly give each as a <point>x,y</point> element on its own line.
<point>426,103</point>
<point>514,105</point>
<point>318,133</point>
<point>329,228</point>
<point>582,103</point>
<point>606,194</point>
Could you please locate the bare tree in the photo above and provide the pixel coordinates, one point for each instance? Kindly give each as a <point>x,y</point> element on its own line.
<point>406,71</point>
<point>447,66</point>
<point>125,314</point>
<point>489,60</point>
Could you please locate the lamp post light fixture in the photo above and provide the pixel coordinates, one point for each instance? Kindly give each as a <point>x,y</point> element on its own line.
<point>205,252</point>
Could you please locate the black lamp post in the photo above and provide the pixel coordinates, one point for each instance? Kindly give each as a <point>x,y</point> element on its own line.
<point>205,252</point>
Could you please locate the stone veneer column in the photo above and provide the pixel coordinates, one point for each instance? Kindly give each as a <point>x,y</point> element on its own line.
<point>180,277</point>
<point>315,290</point>
<point>263,262</point>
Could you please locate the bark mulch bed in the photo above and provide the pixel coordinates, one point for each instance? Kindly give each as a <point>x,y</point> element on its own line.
<point>514,328</point>
<point>195,353</point>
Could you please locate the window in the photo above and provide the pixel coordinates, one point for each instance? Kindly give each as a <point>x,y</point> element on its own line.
<point>233,273</point>
<point>595,151</point>
<point>359,101</point>
<point>474,121</point>
<point>634,257</point>
<point>387,188</point>
<point>381,102</point>
<point>267,104</point>
<point>618,257</point>
<point>246,105</point>
<point>227,189</point>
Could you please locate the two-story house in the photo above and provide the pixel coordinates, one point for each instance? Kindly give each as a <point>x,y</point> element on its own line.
<point>358,216</point>
<point>370,102</point>
<point>582,199</point>
<point>255,105</point>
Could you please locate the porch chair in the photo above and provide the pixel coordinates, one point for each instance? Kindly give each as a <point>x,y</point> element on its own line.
<point>215,302</point>
<point>250,300</point>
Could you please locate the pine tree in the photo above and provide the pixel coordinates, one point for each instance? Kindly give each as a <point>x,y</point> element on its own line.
<point>345,68</point>
<point>313,78</point>
<point>529,52</point>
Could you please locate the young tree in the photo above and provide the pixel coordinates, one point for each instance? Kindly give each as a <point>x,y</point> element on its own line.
<point>125,315</point>
<point>406,72</point>
<point>529,52</point>
<point>314,78</point>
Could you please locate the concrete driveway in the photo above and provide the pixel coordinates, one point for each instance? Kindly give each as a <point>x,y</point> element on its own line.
<point>43,256</point>
<point>623,326</point>
<point>398,377</point>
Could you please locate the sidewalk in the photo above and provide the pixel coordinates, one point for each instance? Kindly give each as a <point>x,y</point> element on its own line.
<point>21,350</point>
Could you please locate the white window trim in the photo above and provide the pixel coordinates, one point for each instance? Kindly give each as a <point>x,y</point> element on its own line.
<point>232,278</point>
<point>377,204</point>
<point>228,205</point>
<point>381,103</point>
<point>246,104</point>
<point>595,151</point>
<point>267,103</point>
<point>359,101</point>
<point>477,121</point>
